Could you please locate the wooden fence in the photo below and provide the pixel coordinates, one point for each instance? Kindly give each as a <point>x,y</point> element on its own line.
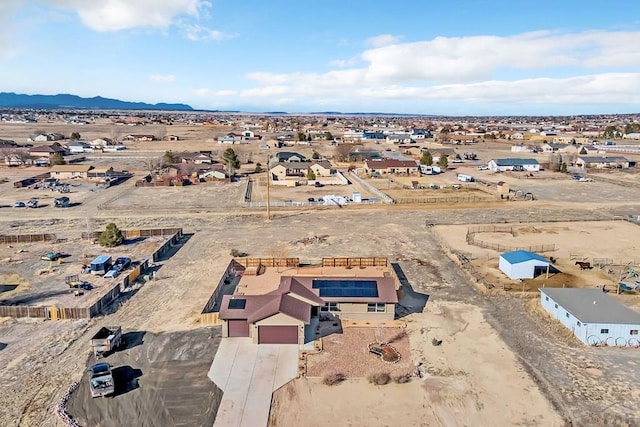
<point>133,234</point>
<point>472,240</point>
<point>27,238</point>
<point>355,262</point>
<point>22,311</point>
<point>209,314</point>
<point>268,262</point>
<point>471,198</point>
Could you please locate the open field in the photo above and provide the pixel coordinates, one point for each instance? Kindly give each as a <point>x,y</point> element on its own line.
<point>499,351</point>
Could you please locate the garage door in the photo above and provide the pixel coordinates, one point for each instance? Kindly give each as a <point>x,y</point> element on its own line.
<point>238,328</point>
<point>278,334</point>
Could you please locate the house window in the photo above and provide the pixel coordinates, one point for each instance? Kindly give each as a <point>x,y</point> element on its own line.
<point>330,306</point>
<point>376,307</point>
<point>546,298</point>
<point>579,324</point>
<point>556,305</point>
<point>604,331</point>
<point>567,314</point>
<point>634,332</point>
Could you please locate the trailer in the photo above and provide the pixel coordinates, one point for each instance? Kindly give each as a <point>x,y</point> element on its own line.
<point>100,265</point>
<point>101,380</point>
<point>107,339</point>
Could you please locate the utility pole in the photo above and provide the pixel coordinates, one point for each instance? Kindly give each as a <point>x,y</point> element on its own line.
<point>268,188</point>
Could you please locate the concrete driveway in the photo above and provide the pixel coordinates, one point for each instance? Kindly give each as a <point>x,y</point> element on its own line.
<point>248,374</point>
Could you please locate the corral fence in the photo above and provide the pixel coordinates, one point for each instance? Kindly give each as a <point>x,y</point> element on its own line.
<point>27,238</point>
<point>471,198</point>
<point>31,180</point>
<point>472,240</point>
<point>355,262</point>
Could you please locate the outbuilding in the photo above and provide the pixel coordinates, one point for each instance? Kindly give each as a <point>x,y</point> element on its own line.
<point>592,316</point>
<point>513,164</point>
<point>522,264</point>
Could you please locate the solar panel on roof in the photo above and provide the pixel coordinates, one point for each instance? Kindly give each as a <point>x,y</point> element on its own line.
<point>337,288</point>
<point>237,303</point>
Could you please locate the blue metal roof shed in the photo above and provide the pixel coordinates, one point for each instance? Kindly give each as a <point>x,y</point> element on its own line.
<point>522,264</point>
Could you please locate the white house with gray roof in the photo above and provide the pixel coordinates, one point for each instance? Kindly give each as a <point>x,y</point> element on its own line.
<point>594,317</point>
<point>513,164</point>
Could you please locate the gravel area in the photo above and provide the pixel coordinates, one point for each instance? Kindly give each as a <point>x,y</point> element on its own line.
<point>347,354</point>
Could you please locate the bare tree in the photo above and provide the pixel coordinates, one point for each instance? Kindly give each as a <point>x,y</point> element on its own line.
<point>115,132</point>
<point>278,251</point>
<point>161,132</point>
<point>153,165</point>
<point>342,152</point>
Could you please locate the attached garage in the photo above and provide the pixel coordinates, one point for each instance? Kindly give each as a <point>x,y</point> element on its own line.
<point>238,328</point>
<point>277,334</point>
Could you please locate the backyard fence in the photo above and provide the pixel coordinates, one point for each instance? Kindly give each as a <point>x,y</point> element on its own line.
<point>209,314</point>
<point>267,262</point>
<point>383,196</point>
<point>355,262</point>
<point>27,238</point>
<point>470,198</point>
<point>133,234</point>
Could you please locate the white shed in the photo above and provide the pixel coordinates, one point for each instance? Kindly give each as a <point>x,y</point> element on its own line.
<point>522,264</point>
<point>592,316</point>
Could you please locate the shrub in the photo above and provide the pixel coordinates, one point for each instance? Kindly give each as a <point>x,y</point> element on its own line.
<point>111,237</point>
<point>333,379</point>
<point>237,253</point>
<point>381,378</point>
<point>402,379</point>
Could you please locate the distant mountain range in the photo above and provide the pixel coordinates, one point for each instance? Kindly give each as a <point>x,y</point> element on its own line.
<point>66,101</point>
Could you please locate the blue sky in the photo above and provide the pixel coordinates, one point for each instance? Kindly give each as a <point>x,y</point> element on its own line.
<point>459,57</point>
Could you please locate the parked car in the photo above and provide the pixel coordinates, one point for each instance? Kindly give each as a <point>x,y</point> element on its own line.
<point>123,262</point>
<point>61,202</point>
<point>33,203</point>
<point>114,272</point>
<point>19,205</point>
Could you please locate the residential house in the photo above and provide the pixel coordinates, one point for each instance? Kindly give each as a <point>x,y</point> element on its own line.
<point>513,164</point>
<point>284,315</point>
<point>172,138</point>
<point>288,156</point>
<point>421,134</point>
<point>76,147</point>
<point>230,138</point>
<point>48,137</point>
<point>100,143</point>
<point>140,138</point>
<point>604,162</point>
<point>47,150</point>
<point>391,167</point>
<point>374,136</point>
<point>399,139</point>
<point>552,147</point>
<point>285,170</point>
<point>70,171</point>
<point>522,148</point>
<point>322,168</point>
<point>100,172</point>
<point>196,158</point>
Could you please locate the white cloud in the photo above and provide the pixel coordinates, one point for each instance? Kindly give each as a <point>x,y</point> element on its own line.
<point>115,15</point>
<point>158,78</point>
<point>197,32</point>
<point>383,40</point>
<point>596,68</point>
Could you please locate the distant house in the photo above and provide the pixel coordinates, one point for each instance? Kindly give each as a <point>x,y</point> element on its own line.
<point>100,172</point>
<point>196,158</point>
<point>48,137</point>
<point>421,134</point>
<point>284,170</point>
<point>377,136</point>
<point>230,138</point>
<point>140,138</point>
<point>214,174</point>
<point>322,169</point>
<point>522,264</point>
<point>513,164</point>
<point>17,159</point>
<point>172,138</point>
<point>76,147</point>
<point>605,162</point>
<point>391,167</point>
<point>288,156</point>
<point>47,150</point>
<point>522,148</point>
<point>552,147</point>
<point>101,142</point>
<point>399,139</point>
<point>70,171</point>
<point>631,135</point>
<point>592,316</point>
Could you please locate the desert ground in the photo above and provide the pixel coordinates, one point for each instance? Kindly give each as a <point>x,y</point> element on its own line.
<point>501,361</point>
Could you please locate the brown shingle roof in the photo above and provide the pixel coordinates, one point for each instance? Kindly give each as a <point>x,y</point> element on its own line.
<point>391,163</point>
